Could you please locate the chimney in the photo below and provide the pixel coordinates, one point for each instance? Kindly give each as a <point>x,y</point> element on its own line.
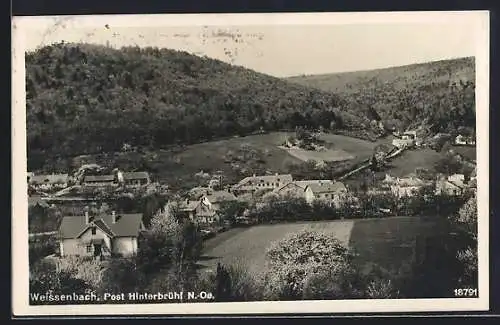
<point>87,221</point>
<point>113,215</point>
<point>253,175</point>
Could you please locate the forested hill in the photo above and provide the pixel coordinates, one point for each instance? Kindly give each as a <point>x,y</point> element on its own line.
<point>439,94</point>
<point>84,98</point>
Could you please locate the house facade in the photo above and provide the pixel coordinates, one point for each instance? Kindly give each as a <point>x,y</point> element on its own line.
<point>100,236</point>
<point>462,140</point>
<point>99,180</point>
<point>136,179</point>
<point>131,179</point>
<point>267,182</point>
<point>334,193</point>
<point>406,186</point>
<point>199,211</point>
<point>452,185</point>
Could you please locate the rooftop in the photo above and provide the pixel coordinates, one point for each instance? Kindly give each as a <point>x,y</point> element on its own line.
<point>127,225</point>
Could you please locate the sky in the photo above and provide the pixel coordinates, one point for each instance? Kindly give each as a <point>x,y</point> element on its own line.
<point>277,47</point>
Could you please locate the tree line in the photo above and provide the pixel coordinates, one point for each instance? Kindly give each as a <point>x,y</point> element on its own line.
<point>84,98</point>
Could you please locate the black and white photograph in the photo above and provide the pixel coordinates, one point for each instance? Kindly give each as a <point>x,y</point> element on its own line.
<point>250,163</point>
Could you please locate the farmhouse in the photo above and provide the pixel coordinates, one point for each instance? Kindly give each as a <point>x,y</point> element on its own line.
<point>132,179</point>
<point>100,236</point>
<point>99,180</point>
<point>298,188</point>
<point>216,198</point>
<point>465,141</point>
<point>200,211</point>
<point>136,179</point>
<point>406,186</point>
<point>254,183</point>
<point>326,192</point>
<point>452,185</point>
<point>48,182</point>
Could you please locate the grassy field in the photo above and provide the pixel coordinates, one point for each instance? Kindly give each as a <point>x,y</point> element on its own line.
<point>256,154</point>
<point>466,151</point>
<point>387,242</point>
<point>411,159</point>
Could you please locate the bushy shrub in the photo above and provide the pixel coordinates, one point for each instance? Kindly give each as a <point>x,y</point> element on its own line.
<point>294,259</point>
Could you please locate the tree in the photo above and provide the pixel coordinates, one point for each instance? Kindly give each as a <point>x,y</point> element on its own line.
<point>299,256</point>
<point>466,223</point>
<point>230,210</point>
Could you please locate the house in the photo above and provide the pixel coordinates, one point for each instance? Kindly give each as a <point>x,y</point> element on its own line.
<point>406,186</point>
<point>200,211</point>
<point>216,198</point>
<point>131,179</point>
<point>48,182</point>
<point>99,180</point>
<point>298,188</point>
<point>100,236</point>
<point>254,183</point>
<point>334,192</point>
<point>452,185</point>
<point>462,140</point>
<point>136,179</point>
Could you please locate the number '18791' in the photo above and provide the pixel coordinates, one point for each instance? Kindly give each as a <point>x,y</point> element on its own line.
<point>465,292</point>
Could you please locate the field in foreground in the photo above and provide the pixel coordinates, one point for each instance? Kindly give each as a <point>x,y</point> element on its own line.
<point>387,242</point>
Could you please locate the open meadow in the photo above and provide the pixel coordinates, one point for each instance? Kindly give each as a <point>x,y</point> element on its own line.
<point>234,157</point>
<point>388,242</point>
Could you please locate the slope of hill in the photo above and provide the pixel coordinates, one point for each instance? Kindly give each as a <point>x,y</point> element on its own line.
<point>439,94</point>
<point>84,98</point>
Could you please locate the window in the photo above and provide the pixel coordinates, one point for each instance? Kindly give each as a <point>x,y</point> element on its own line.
<point>89,248</point>
<point>94,230</point>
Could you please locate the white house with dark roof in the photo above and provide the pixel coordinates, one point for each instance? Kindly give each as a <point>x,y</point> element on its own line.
<point>298,188</point>
<point>99,180</point>
<point>455,184</point>
<point>100,236</point>
<point>136,179</point>
<point>334,192</point>
<point>267,182</point>
<point>131,179</point>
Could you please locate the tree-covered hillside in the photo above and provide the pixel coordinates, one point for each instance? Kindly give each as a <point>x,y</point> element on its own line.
<point>438,94</point>
<point>84,98</point>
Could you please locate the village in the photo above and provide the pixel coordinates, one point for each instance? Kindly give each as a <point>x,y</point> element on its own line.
<point>103,232</point>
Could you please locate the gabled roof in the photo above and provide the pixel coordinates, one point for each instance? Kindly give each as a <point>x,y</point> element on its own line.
<point>290,185</point>
<point>136,175</point>
<point>189,206</point>
<point>304,184</point>
<point>99,178</point>
<point>48,179</point>
<point>284,178</point>
<point>221,196</point>
<point>127,225</point>
<point>37,200</point>
<point>327,187</point>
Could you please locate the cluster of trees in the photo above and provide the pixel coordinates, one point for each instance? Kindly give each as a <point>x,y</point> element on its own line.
<point>84,98</point>
<point>438,94</point>
<point>359,205</point>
